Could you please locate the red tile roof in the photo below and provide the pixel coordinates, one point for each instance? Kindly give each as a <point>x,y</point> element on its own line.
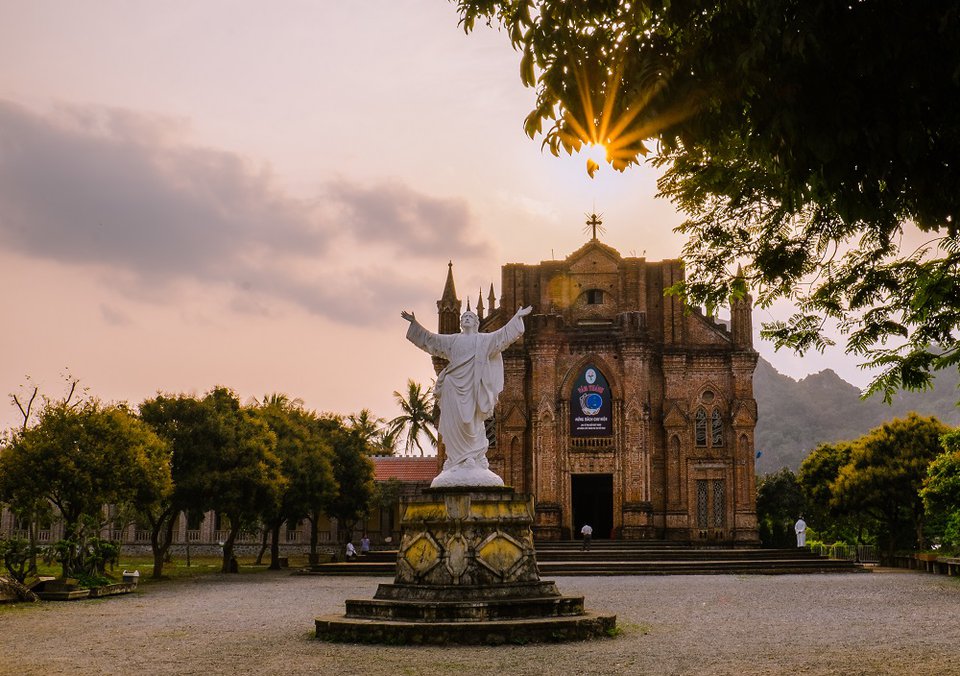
<point>405,469</point>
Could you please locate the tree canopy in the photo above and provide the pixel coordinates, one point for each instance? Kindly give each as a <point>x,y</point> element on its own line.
<point>779,503</point>
<point>306,459</point>
<point>81,457</point>
<point>941,488</point>
<point>353,472</point>
<point>884,476</point>
<point>815,143</point>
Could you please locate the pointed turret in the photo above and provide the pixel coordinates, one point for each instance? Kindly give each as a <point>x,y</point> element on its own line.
<point>741,312</point>
<point>480,304</point>
<point>491,299</point>
<point>448,307</point>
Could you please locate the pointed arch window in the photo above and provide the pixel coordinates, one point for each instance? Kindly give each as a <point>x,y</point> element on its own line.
<point>700,427</point>
<point>716,428</point>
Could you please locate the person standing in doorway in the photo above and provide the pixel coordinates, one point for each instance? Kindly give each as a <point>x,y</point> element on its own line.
<point>587,533</point>
<point>801,529</point>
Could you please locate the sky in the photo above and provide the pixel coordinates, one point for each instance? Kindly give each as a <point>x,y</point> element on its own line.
<point>246,193</point>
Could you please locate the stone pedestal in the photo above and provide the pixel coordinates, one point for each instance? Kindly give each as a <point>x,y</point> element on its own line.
<point>466,573</point>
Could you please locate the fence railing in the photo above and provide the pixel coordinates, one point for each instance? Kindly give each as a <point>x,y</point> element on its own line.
<point>248,537</point>
<point>843,551</point>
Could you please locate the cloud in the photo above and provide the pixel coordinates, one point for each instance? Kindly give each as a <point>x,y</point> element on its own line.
<point>423,225</point>
<point>124,191</point>
<point>113,316</point>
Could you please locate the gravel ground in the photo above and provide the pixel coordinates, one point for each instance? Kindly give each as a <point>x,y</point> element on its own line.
<point>887,622</point>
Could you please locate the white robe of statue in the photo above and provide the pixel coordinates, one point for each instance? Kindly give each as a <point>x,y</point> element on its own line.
<point>467,391</point>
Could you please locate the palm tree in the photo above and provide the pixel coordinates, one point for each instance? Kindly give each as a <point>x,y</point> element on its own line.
<point>386,441</point>
<point>417,417</point>
<point>379,436</point>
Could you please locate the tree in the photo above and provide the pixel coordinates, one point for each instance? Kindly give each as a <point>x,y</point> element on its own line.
<point>306,463</point>
<point>884,476</point>
<point>817,478</point>
<point>243,471</point>
<point>941,488</point>
<point>224,460</point>
<point>805,139</point>
<point>353,471</point>
<point>417,418</point>
<point>779,503</point>
<point>188,427</point>
<point>80,458</point>
<point>33,513</point>
<point>379,436</point>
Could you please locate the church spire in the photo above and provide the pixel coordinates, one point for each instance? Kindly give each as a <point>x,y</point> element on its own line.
<point>491,299</point>
<point>449,290</point>
<point>480,305</point>
<point>741,312</point>
<point>448,307</point>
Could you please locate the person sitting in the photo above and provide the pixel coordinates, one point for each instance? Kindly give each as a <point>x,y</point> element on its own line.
<point>351,552</point>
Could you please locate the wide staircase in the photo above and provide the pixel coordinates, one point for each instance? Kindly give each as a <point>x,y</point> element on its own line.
<point>644,557</point>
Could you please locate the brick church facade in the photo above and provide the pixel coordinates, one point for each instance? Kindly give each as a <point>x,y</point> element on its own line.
<point>622,408</point>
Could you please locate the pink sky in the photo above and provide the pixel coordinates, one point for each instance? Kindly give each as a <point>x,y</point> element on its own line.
<point>247,193</point>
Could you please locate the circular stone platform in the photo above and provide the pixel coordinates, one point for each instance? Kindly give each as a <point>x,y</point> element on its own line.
<point>466,574</point>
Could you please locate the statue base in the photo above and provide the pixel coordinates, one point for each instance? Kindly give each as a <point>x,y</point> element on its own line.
<point>467,475</point>
<point>466,574</point>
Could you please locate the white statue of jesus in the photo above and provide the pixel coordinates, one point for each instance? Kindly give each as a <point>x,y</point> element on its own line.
<point>467,390</point>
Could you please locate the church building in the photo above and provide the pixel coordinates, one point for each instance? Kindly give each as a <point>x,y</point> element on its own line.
<point>622,407</point>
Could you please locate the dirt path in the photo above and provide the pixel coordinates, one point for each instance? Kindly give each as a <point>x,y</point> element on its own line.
<point>879,623</point>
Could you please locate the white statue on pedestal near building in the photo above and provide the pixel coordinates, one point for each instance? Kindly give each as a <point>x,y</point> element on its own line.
<point>467,390</point>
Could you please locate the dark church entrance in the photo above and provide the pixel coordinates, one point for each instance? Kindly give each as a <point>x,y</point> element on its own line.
<point>592,500</point>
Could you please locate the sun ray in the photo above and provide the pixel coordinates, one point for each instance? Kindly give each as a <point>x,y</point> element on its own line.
<point>582,126</point>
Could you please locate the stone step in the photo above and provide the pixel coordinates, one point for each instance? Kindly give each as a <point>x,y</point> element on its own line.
<point>546,629</point>
<point>464,611</point>
<point>673,554</point>
<point>658,567</point>
<point>703,567</point>
<point>637,557</point>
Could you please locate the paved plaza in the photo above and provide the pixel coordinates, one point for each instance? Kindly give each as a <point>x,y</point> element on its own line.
<point>886,622</point>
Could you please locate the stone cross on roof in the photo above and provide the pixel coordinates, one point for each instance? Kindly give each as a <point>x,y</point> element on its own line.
<point>594,223</point>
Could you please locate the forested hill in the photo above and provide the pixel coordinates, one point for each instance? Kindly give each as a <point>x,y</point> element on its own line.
<point>796,415</point>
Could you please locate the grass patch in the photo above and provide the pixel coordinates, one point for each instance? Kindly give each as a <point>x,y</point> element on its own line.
<point>177,569</point>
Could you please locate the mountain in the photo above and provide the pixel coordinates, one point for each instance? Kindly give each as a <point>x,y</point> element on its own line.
<point>796,415</point>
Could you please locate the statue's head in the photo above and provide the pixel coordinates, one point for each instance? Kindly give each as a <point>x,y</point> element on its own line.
<point>469,322</point>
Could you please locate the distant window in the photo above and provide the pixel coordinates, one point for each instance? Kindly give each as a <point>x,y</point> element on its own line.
<point>716,428</point>
<point>702,504</point>
<point>594,297</point>
<point>700,427</point>
<point>718,504</point>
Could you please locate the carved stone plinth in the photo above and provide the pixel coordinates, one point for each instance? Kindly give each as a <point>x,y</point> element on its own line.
<point>466,573</point>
